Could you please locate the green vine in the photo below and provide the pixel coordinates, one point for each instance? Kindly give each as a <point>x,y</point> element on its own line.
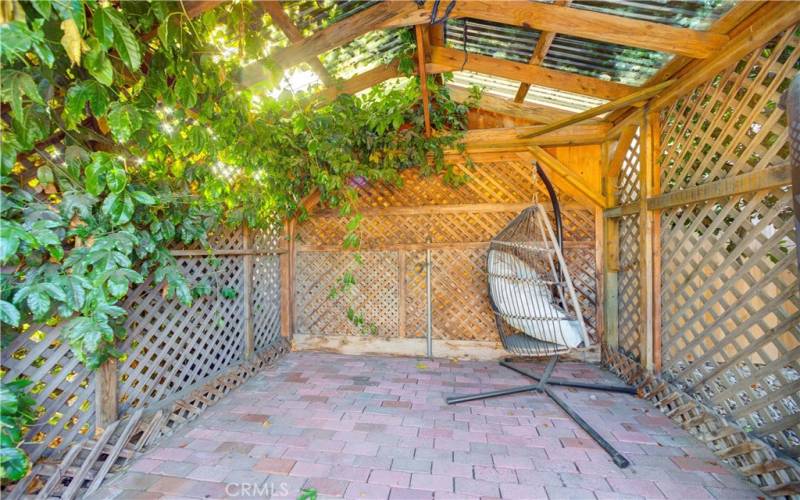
<point>125,132</point>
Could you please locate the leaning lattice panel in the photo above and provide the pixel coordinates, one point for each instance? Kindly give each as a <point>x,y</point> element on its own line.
<point>730,302</point>
<point>64,388</point>
<point>266,286</point>
<point>171,346</point>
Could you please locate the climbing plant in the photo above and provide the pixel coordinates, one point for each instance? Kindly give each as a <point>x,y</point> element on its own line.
<point>125,130</point>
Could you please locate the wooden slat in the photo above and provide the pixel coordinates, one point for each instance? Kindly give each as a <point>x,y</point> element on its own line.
<point>552,163</point>
<point>105,394</point>
<point>423,78</point>
<point>511,137</point>
<point>646,242</point>
<point>634,97</point>
<point>77,479</point>
<point>282,21</point>
<point>247,294</point>
<point>359,82</point>
<point>114,453</point>
<point>532,112</point>
<point>446,59</point>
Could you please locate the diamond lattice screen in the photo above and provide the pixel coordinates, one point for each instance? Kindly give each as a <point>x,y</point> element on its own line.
<point>730,299</point>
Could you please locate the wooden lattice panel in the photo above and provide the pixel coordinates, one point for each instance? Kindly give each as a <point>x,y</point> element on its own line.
<point>171,346</point>
<point>732,124</point>
<point>374,295</point>
<point>629,297</point>
<point>628,188</point>
<point>266,286</point>
<point>730,301</point>
<point>582,270</point>
<point>416,298</point>
<point>63,388</point>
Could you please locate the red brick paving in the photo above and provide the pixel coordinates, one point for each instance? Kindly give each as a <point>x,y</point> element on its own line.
<point>378,428</point>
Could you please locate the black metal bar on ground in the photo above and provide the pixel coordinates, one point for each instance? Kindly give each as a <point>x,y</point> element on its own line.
<point>492,394</point>
<point>547,372</point>
<point>570,383</point>
<point>618,459</point>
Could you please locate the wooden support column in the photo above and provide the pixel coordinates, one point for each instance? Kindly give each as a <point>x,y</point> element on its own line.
<point>655,128</point>
<point>248,259</point>
<point>401,292</point>
<point>287,263</point>
<point>611,252</point>
<point>646,241</point>
<point>105,395</point>
<point>599,250</point>
<point>423,78</point>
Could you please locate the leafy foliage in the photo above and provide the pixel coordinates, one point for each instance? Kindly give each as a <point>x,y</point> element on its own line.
<point>16,412</point>
<point>125,131</point>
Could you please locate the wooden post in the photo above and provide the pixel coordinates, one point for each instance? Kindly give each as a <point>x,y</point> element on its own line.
<point>611,254</point>
<point>646,239</point>
<point>287,259</point>
<point>423,79</point>
<point>655,127</point>
<point>599,251</point>
<point>249,335</point>
<point>105,395</point>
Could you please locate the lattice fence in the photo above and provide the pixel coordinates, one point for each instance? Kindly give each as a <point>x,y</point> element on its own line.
<point>169,347</point>
<point>398,225</point>
<point>730,301</point>
<point>629,313</point>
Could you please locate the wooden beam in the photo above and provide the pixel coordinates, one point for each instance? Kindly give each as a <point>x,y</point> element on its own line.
<point>445,59</point>
<point>359,82</point>
<point>423,78</point>
<point>638,96</point>
<point>380,16</point>
<point>507,138</point>
<point>282,21</point>
<point>610,259</point>
<point>525,111</point>
<point>247,295</point>
<point>544,17</point>
<point>624,142</point>
<point>595,26</point>
<point>539,53</point>
<point>105,395</point>
<point>552,163</point>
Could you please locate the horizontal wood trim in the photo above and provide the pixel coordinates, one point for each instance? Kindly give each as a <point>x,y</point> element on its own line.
<point>431,209</point>
<point>768,178</point>
<point>507,138</point>
<point>221,251</point>
<point>446,59</point>
<point>415,247</point>
<point>525,111</point>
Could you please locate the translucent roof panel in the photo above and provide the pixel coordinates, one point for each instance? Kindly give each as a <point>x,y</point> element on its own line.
<point>606,61</point>
<point>364,53</point>
<point>507,89</point>
<point>313,15</point>
<point>695,14</point>
<point>491,39</point>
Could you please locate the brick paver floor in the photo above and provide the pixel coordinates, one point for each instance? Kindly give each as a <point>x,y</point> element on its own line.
<point>377,427</point>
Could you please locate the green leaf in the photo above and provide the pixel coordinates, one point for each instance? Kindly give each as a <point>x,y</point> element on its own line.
<point>117,286</point>
<point>96,173</point>
<point>78,95</point>
<point>185,92</point>
<point>116,179</point>
<point>124,120</point>
<point>97,63</point>
<point>43,7</point>
<point>14,464</point>
<point>45,174</point>
<point>39,303</point>
<point>125,41</point>
<point>103,26</point>
<point>143,198</point>
<point>17,84</point>
<point>15,40</point>
<point>119,207</point>
<point>9,314</point>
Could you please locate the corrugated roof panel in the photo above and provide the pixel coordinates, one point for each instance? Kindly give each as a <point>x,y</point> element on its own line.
<point>492,39</point>
<point>364,53</point>
<point>607,61</point>
<point>695,14</point>
<point>312,15</point>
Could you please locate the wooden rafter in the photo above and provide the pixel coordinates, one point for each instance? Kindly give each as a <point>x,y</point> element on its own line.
<point>445,59</point>
<point>423,78</point>
<point>544,17</point>
<point>512,138</point>
<point>539,53</point>
<point>282,21</point>
<point>638,96</point>
<point>533,112</point>
<point>359,82</point>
